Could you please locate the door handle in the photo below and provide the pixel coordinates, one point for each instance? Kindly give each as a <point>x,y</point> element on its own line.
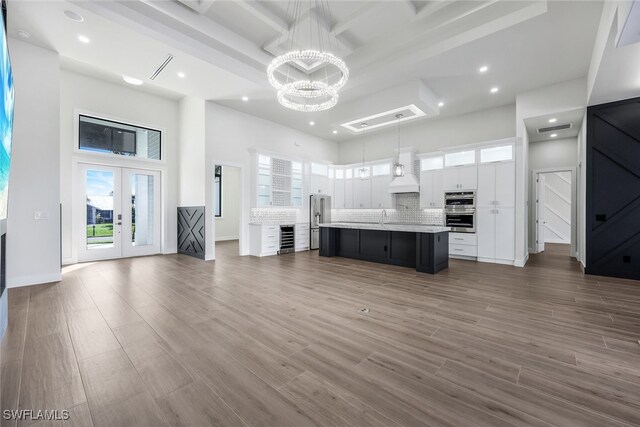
<point>119,223</point>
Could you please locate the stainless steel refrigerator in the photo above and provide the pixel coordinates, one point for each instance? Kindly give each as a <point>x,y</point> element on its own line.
<point>320,213</point>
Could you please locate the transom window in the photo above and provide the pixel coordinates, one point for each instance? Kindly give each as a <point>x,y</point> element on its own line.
<point>106,136</point>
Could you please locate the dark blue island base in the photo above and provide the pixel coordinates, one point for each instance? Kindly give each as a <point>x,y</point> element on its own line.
<point>426,252</point>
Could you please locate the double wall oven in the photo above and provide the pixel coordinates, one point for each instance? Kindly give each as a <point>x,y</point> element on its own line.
<point>460,211</point>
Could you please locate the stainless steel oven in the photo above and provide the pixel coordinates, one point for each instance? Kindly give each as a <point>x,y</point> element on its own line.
<point>460,211</point>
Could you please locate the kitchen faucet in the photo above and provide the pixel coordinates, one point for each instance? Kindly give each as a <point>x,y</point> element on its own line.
<point>383,215</point>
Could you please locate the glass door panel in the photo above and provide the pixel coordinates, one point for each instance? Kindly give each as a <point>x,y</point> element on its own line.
<point>141,225</point>
<point>100,224</point>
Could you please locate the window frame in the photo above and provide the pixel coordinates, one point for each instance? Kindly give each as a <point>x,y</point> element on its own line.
<point>118,120</point>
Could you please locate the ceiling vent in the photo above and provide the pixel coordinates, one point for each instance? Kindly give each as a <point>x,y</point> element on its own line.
<point>161,67</point>
<point>555,128</point>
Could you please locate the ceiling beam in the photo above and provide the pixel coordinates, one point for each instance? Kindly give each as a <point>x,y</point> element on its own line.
<point>268,17</point>
<point>357,15</point>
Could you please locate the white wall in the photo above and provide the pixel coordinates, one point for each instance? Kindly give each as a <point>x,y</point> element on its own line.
<point>556,98</point>
<point>228,226</point>
<point>191,152</point>
<point>33,247</point>
<point>553,154</point>
<point>230,135</point>
<point>433,134</point>
<point>127,104</point>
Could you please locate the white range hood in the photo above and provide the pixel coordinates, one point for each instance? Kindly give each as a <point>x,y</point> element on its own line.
<point>409,182</point>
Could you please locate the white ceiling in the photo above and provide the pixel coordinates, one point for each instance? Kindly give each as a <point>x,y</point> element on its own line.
<point>572,117</point>
<point>225,49</point>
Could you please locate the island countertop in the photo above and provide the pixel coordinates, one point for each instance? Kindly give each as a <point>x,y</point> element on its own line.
<point>411,228</point>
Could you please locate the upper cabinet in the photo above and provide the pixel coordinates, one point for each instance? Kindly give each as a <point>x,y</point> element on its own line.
<point>319,179</point>
<point>460,178</point>
<point>461,172</point>
<point>431,190</point>
<point>496,177</point>
<point>263,181</point>
<point>362,190</point>
<point>380,179</point>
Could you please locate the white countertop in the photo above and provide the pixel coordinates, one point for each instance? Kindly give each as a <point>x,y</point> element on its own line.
<point>412,228</point>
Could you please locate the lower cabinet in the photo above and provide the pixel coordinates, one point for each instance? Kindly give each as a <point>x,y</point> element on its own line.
<point>264,239</point>
<point>496,235</point>
<point>302,237</point>
<point>463,245</point>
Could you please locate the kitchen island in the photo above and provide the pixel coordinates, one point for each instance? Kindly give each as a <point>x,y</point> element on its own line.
<point>423,247</point>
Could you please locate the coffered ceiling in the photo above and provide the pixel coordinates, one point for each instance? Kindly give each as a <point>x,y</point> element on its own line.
<point>223,48</point>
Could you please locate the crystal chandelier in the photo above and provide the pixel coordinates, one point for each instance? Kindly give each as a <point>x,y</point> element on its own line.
<point>304,94</point>
<point>398,168</point>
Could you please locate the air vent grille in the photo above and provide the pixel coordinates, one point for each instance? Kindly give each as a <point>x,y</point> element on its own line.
<point>555,128</point>
<point>161,67</point>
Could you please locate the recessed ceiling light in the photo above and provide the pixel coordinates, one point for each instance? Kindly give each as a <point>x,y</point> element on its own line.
<point>312,123</point>
<point>484,69</point>
<point>84,39</point>
<point>73,16</point>
<point>132,80</point>
<point>553,120</point>
<point>24,34</point>
<point>494,89</point>
<point>440,104</point>
<point>335,132</point>
<point>245,98</point>
<point>553,135</point>
<point>363,125</point>
<point>181,74</point>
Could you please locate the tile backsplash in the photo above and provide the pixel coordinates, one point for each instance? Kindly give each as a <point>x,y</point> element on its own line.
<point>407,210</point>
<point>272,215</point>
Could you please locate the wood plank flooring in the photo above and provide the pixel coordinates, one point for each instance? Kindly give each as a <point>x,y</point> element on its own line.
<point>281,341</point>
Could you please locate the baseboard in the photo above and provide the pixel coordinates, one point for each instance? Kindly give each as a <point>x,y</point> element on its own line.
<point>17,282</point>
<point>561,242</point>
<point>167,251</point>
<point>521,262</point>
<point>225,238</point>
<point>69,261</point>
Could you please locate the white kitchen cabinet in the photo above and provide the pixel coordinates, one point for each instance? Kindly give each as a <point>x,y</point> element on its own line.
<point>496,185</point>
<point>460,178</point>
<point>463,245</point>
<point>362,193</point>
<point>348,193</point>
<point>496,234</point>
<point>302,237</point>
<point>431,193</point>
<point>505,234</point>
<point>337,201</point>
<point>506,184</point>
<point>495,215</point>
<point>320,184</point>
<point>264,239</point>
<point>380,196</point>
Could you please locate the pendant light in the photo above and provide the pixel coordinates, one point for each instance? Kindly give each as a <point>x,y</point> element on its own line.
<point>398,168</point>
<point>363,172</point>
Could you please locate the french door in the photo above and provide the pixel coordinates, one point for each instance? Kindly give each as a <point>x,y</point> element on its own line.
<point>120,212</point>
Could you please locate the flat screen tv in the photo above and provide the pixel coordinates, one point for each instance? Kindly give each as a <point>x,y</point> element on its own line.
<point>6,114</point>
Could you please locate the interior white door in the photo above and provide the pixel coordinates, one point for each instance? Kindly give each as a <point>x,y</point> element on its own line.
<point>540,222</point>
<point>120,212</point>
<point>99,202</point>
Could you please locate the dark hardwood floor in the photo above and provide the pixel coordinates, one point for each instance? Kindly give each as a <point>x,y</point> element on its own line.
<point>281,341</point>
